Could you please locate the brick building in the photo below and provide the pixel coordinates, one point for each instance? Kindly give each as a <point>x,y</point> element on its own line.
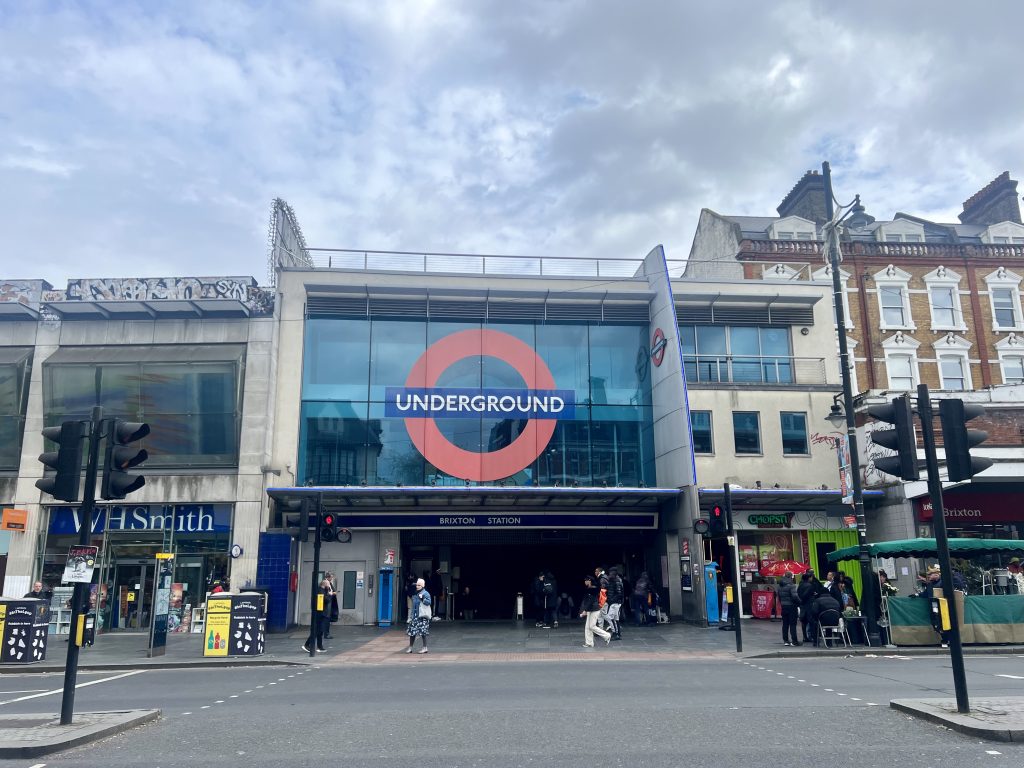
<point>926,302</point>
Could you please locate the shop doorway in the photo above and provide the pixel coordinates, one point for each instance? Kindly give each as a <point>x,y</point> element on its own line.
<point>133,590</point>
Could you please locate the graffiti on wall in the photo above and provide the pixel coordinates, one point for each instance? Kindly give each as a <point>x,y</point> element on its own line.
<point>26,292</point>
<point>243,289</point>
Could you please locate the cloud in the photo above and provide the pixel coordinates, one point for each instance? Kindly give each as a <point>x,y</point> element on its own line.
<point>142,139</point>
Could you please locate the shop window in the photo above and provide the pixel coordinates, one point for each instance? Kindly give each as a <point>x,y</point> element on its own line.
<point>14,370</point>
<point>794,434</point>
<point>746,432</point>
<point>700,427</point>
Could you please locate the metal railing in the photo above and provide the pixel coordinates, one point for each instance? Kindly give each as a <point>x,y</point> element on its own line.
<point>742,369</point>
<point>480,264</point>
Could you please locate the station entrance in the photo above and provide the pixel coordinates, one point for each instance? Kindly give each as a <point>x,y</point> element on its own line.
<point>498,566</point>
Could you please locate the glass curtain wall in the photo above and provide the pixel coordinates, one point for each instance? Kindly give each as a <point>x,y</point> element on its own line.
<point>346,438</point>
<point>13,392</point>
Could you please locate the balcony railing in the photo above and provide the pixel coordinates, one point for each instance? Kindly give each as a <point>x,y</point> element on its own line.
<point>740,369</point>
<point>480,264</point>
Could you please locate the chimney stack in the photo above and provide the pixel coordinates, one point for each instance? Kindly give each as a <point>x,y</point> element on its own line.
<point>995,203</point>
<point>806,199</point>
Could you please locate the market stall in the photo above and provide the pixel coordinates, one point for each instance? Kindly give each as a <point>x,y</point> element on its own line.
<point>985,618</point>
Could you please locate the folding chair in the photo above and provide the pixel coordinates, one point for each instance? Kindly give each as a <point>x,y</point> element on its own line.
<point>831,627</point>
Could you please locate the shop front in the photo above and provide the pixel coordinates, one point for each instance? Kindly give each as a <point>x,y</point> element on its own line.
<point>129,538</point>
<point>989,511</point>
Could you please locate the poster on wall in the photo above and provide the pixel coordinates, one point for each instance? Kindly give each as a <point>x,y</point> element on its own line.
<point>161,603</point>
<point>748,557</point>
<point>175,610</point>
<point>684,574</point>
<point>80,565</point>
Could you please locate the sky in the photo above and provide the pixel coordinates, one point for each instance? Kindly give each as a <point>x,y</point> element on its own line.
<point>148,139</point>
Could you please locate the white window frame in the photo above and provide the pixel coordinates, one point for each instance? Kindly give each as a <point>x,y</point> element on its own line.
<point>894,278</point>
<point>900,231</point>
<point>1007,280</point>
<point>1011,347</point>
<point>954,346</point>
<point>898,345</point>
<point>824,275</point>
<point>1003,233</point>
<point>793,228</point>
<point>945,279</point>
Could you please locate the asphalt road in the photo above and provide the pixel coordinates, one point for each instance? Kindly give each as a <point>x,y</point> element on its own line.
<point>792,713</point>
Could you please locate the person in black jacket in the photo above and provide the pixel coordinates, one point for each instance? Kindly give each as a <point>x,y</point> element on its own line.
<point>616,595</point>
<point>789,602</point>
<point>591,610</point>
<point>804,592</point>
<point>824,601</point>
<point>320,620</point>
<point>537,597</point>
<point>549,597</point>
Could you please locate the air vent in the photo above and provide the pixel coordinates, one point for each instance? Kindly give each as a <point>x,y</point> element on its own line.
<point>573,311</point>
<point>724,314</point>
<point>458,310</point>
<point>398,307</point>
<point>627,313</point>
<point>515,310</point>
<point>336,306</point>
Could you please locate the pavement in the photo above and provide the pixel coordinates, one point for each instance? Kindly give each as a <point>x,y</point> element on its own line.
<point>476,642</point>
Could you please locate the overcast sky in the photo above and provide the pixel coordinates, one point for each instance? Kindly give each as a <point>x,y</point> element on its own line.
<point>144,139</point>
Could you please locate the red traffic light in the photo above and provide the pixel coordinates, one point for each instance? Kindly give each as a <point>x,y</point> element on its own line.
<point>717,511</point>
<point>329,519</point>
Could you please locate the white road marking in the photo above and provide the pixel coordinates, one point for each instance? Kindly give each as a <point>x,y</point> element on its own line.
<point>840,694</point>
<point>1012,677</point>
<point>80,685</point>
<point>30,690</point>
<point>830,690</point>
<point>233,696</point>
<point>205,706</point>
<point>872,704</point>
<point>987,752</point>
<point>186,713</point>
<point>273,683</point>
<point>249,691</point>
<point>815,685</point>
<point>801,681</point>
<point>259,686</point>
<point>854,698</point>
<point>38,765</point>
<point>219,701</point>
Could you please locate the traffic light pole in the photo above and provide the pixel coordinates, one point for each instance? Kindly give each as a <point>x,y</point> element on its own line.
<point>868,591</point>
<point>956,651</point>
<point>78,598</point>
<point>736,609</point>
<point>314,587</point>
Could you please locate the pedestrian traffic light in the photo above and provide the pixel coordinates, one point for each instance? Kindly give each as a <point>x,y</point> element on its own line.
<point>958,440</point>
<point>901,439</point>
<point>121,455</point>
<point>328,526</point>
<point>67,461</point>
<point>719,527</point>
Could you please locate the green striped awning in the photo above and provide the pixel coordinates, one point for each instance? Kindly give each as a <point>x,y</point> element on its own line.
<point>926,548</point>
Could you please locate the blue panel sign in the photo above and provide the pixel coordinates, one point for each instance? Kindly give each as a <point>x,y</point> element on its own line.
<point>498,520</point>
<point>460,403</point>
<point>182,518</point>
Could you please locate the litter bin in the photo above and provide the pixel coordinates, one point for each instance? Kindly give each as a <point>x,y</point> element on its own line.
<point>24,629</point>
<point>235,624</point>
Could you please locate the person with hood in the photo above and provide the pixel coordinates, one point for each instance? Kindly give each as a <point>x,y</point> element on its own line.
<point>638,600</point>
<point>591,610</point>
<point>789,600</point>
<point>549,595</point>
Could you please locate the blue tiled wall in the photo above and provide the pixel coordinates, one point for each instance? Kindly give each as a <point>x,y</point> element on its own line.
<point>272,572</point>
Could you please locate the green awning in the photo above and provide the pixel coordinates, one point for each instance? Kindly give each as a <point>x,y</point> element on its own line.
<point>926,548</point>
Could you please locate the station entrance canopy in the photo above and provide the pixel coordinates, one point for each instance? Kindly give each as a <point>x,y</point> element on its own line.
<point>487,507</point>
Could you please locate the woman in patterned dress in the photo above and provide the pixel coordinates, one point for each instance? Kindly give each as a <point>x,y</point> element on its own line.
<point>420,625</point>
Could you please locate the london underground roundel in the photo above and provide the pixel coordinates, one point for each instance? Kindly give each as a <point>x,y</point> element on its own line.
<point>421,402</point>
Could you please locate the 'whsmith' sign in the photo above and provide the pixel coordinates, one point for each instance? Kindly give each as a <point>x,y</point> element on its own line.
<point>181,518</point>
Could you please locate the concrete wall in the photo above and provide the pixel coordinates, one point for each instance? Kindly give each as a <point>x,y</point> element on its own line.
<point>713,252</point>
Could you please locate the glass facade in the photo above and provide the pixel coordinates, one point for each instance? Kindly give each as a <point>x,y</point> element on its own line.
<point>193,409</point>
<point>13,391</point>
<point>737,354</point>
<point>347,437</point>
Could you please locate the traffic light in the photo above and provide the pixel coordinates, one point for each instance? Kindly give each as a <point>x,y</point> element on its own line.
<point>958,440</point>
<point>295,514</point>
<point>719,527</point>
<point>121,455</point>
<point>328,526</point>
<point>67,460</point>
<point>901,439</point>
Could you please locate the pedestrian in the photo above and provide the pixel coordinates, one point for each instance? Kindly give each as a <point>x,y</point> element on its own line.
<point>467,604</point>
<point>848,594</point>
<point>40,592</point>
<point>549,593</point>
<point>217,588</point>
<point>614,604</point>
<point>421,610</point>
<point>410,590</point>
<point>566,607</point>
<point>638,599</point>
<point>320,618</point>
<point>601,582</point>
<point>537,598</point>
<point>804,593</point>
<point>824,601</point>
<point>335,613</point>
<point>789,601</point>
<point>591,611</point>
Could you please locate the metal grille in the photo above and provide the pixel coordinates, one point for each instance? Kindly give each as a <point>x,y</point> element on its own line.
<point>458,310</point>
<point>336,306</point>
<point>574,311</point>
<point>728,315</point>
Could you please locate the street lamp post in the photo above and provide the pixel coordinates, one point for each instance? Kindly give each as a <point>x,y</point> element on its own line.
<point>833,257</point>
